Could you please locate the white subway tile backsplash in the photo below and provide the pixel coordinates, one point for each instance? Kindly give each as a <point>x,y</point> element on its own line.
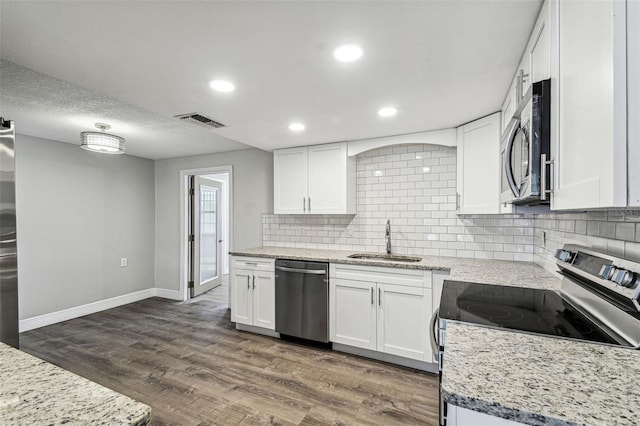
<point>414,186</point>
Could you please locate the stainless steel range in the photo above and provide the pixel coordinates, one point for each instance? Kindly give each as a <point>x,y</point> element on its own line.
<point>598,302</point>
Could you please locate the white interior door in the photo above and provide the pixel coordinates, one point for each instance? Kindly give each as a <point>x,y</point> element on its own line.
<point>207,231</point>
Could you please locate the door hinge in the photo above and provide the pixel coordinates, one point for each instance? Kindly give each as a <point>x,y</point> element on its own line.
<point>190,284</point>
<point>192,191</point>
<point>191,238</point>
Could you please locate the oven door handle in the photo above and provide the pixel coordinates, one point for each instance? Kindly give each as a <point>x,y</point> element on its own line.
<point>435,345</point>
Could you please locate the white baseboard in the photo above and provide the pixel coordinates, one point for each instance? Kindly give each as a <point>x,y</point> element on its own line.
<point>90,308</point>
<point>168,294</point>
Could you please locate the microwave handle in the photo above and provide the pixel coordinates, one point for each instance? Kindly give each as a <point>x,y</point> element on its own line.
<point>507,157</point>
<point>543,177</point>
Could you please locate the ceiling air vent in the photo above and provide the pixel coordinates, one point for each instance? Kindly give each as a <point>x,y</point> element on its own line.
<point>199,119</point>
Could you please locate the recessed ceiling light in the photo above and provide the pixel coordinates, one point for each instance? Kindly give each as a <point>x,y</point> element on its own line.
<point>296,127</point>
<point>387,112</point>
<point>348,53</point>
<point>222,86</point>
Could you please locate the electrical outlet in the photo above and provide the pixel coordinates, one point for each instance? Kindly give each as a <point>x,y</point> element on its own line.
<point>123,262</point>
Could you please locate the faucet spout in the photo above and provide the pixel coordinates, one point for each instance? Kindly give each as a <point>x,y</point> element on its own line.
<point>387,235</point>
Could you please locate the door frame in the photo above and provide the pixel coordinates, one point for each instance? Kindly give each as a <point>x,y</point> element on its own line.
<point>184,223</point>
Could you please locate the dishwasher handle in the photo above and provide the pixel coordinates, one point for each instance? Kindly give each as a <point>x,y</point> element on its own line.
<point>302,271</point>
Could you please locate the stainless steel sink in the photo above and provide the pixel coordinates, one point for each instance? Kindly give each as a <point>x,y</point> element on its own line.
<point>389,257</point>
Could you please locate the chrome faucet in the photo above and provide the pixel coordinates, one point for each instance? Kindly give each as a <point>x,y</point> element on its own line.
<point>387,235</point>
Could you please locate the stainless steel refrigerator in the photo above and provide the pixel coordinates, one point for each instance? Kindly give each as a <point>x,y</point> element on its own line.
<point>8,237</point>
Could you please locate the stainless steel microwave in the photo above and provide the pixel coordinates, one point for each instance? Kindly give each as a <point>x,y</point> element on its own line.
<point>525,148</point>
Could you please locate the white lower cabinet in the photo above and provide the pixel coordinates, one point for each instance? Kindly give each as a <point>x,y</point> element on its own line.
<point>353,321</point>
<point>381,309</point>
<point>252,286</point>
<point>458,416</point>
<point>403,315</point>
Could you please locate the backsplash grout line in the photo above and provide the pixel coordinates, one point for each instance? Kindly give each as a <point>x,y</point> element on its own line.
<point>414,186</point>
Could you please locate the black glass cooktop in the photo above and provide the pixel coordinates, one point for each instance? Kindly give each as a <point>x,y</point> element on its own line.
<point>522,309</point>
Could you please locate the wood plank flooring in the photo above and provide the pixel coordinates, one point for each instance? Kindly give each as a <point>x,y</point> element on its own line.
<point>189,363</point>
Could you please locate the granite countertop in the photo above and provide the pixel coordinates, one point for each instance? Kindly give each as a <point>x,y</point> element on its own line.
<point>518,274</point>
<point>540,380</point>
<point>35,392</point>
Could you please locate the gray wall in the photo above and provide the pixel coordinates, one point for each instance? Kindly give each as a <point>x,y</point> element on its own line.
<point>78,213</point>
<point>252,196</point>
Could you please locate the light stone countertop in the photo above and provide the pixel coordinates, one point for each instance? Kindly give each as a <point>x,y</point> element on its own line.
<point>540,380</point>
<point>35,392</point>
<point>517,274</point>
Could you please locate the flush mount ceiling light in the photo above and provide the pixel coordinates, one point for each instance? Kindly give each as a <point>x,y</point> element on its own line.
<point>102,142</point>
<point>296,127</point>
<point>348,53</point>
<point>387,112</point>
<point>222,86</point>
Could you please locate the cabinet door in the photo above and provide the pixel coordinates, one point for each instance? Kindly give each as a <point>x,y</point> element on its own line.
<point>241,295</point>
<point>264,306</point>
<point>458,416</point>
<point>403,321</point>
<point>509,105</point>
<point>633,88</point>
<point>290,181</point>
<point>327,179</point>
<point>538,48</point>
<point>353,313</point>
<point>478,166</point>
<point>591,144</point>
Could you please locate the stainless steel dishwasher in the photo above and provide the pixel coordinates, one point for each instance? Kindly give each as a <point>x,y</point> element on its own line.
<point>302,299</point>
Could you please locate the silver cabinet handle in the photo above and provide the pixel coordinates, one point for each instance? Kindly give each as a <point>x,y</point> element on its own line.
<point>254,282</point>
<point>379,297</point>
<point>435,346</point>
<point>302,271</point>
<point>543,177</point>
<point>309,205</point>
<point>304,204</point>
<point>248,282</point>
<point>372,302</point>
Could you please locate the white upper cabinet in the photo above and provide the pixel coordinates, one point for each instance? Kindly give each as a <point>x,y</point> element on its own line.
<point>290,172</point>
<point>319,179</point>
<point>534,66</point>
<point>478,180</point>
<point>589,101</point>
<point>633,100</point>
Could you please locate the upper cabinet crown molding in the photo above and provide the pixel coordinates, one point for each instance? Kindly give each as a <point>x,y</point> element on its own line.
<point>444,137</point>
<point>319,179</point>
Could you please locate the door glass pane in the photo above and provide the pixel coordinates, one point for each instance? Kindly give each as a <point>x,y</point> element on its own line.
<point>208,236</point>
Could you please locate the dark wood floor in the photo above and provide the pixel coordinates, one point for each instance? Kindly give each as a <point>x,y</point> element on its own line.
<point>187,361</point>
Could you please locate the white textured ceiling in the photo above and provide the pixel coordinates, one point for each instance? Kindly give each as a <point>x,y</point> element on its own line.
<point>442,63</point>
<point>50,108</point>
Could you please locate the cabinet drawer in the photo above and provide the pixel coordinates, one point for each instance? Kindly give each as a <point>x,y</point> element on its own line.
<point>253,263</point>
<point>379,274</point>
